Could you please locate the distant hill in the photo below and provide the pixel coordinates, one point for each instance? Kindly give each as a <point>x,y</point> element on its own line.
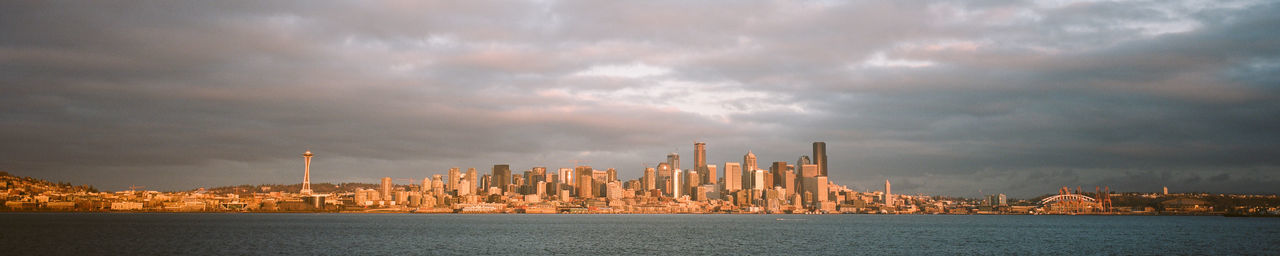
<point>29,185</point>
<point>291,188</point>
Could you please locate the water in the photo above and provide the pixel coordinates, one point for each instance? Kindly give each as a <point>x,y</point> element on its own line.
<point>418,234</point>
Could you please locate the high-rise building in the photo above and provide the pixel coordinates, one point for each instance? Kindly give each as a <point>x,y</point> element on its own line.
<point>437,185</point>
<point>778,169</point>
<point>364,197</point>
<point>757,179</point>
<point>699,155</point>
<point>789,182</point>
<point>501,176</point>
<point>401,197</point>
<point>701,193</point>
<point>533,177</point>
<point>473,178</point>
<point>426,186</point>
<point>732,176</point>
<point>768,180</point>
<point>611,175</point>
<point>526,182</point>
<point>465,187</point>
<point>664,170</point>
<point>664,178</point>
<point>814,190</point>
<point>386,188</point>
<point>306,173</point>
<point>675,186</point>
<point>810,170</point>
<point>802,161</point>
<point>709,174</point>
<point>808,174</point>
<point>749,162</point>
<point>997,200</point>
<point>820,157</point>
<point>613,190</point>
<point>454,176</point>
<point>598,182</point>
<point>566,176</point>
<point>888,194</point>
<point>649,180</point>
<point>673,160</point>
<point>691,181</point>
<point>539,175</point>
<point>584,185</point>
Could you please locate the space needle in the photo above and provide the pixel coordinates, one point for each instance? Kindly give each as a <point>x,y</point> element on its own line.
<point>306,175</point>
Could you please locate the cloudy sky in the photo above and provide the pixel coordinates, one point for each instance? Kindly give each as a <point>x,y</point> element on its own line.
<point>940,97</point>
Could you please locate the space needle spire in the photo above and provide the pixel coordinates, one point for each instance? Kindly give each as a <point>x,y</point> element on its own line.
<point>306,175</point>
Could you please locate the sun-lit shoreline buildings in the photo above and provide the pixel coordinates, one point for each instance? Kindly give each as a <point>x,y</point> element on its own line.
<point>732,187</point>
<point>666,187</point>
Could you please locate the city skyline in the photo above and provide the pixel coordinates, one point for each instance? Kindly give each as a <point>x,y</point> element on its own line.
<point>949,98</point>
<point>647,174</point>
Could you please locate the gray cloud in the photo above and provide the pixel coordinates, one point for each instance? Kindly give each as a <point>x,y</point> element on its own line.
<point>1005,96</point>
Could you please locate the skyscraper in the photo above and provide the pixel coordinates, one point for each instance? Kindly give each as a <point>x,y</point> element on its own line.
<point>465,187</point>
<point>888,194</point>
<point>584,180</point>
<point>673,160</point>
<point>613,190</point>
<point>675,183</point>
<point>778,169</point>
<point>709,174</point>
<point>437,185</point>
<point>814,189</point>
<point>664,178</point>
<point>803,161</point>
<point>820,157</point>
<point>473,179</point>
<point>794,177</point>
<point>749,162</point>
<point>650,179</point>
<point>386,188</point>
<point>426,185</point>
<point>699,155</point>
<point>691,180</point>
<point>732,176</point>
<point>810,186</point>
<point>612,175</point>
<point>501,176</point>
<point>809,170</point>
<point>997,200</point>
<point>539,175</point>
<point>454,177</point>
<point>757,179</point>
<point>306,174</point>
<point>566,176</point>
<point>789,182</point>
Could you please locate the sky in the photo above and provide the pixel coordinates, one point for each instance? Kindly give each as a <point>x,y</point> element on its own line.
<point>959,98</point>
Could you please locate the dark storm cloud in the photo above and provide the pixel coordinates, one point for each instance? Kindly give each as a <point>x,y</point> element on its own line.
<point>942,97</point>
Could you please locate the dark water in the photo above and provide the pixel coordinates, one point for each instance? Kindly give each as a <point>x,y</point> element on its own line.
<point>409,234</point>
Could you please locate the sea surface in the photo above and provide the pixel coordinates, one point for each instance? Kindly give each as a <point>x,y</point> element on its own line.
<point>632,234</point>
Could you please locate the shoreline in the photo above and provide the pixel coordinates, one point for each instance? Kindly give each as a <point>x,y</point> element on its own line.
<point>606,213</point>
